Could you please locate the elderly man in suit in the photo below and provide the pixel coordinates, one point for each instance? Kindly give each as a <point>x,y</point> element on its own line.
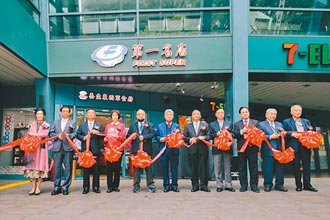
<point>146,132</point>
<point>62,151</point>
<point>250,154</point>
<point>302,154</point>
<point>90,129</point>
<point>198,152</point>
<point>271,166</point>
<point>170,158</point>
<point>221,158</point>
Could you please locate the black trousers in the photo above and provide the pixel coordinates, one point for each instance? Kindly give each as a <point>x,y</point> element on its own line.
<point>199,170</point>
<point>303,156</point>
<point>252,159</point>
<point>113,173</point>
<point>96,175</point>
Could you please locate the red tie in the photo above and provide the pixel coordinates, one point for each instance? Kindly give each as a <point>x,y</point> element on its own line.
<point>168,125</point>
<point>245,123</point>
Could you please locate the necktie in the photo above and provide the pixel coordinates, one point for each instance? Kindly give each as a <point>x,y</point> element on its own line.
<point>90,125</point>
<point>168,125</point>
<point>63,122</point>
<point>245,123</point>
<point>299,125</point>
<point>140,127</point>
<point>272,125</point>
<point>220,125</point>
<point>196,127</point>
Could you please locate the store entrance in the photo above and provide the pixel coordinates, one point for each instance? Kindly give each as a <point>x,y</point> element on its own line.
<point>103,117</point>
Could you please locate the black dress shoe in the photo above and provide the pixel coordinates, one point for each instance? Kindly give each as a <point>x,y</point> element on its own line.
<point>219,189</point>
<point>56,192</point>
<point>175,189</point>
<point>85,191</point>
<point>205,189</point>
<point>298,189</point>
<point>65,192</point>
<point>312,189</point>
<point>243,189</point>
<point>166,189</point>
<point>194,189</point>
<point>282,189</point>
<point>230,189</point>
<point>109,190</point>
<point>116,189</point>
<point>267,189</point>
<point>255,189</point>
<point>96,190</point>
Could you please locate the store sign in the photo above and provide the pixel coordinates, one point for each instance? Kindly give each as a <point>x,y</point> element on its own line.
<point>109,55</point>
<point>112,55</point>
<point>317,54</point>
<point>167,60</point>
<point>84,95</point>
<point>215,106</point>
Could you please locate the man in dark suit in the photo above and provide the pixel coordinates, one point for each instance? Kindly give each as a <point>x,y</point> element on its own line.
<point>90,129</point>
<point>302,154</point>
<point>146,133</point>
<point>222,159</point>
<point>250,154</point>
<point>271,166</point>
<point>198,152</point>
<point>62,151</point>
<point>170,158</point>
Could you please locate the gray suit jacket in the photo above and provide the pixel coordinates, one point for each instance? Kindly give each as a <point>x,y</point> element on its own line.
<point>70,129</point>
<point>214,128</point>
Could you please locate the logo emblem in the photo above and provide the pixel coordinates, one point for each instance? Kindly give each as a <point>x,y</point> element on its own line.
<point>109,55</point>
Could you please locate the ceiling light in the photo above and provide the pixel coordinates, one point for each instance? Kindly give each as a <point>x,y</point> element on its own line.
<point>182,91</point>
<point>201,98</point>
<point>214,85</point>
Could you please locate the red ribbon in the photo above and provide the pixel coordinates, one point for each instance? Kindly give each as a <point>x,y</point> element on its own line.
<point>310,139</point>
<point>175,139</point>
<point>253,137</point>
<point>223,141</point>
<point>113,150</point>
<point>142,159</point>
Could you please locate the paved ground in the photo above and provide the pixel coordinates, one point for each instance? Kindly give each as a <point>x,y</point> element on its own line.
<point>16,204</point>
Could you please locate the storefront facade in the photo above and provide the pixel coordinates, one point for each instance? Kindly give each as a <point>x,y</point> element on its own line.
<point>94,48</point>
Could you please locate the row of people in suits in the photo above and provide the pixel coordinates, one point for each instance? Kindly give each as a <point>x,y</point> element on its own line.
<point>194,133</point>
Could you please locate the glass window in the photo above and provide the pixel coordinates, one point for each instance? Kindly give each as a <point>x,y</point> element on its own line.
<point>32,7</point>
<point>64,6</point>
<point>152,4</point>
<point>284,3</point>
<point>184,23</point>
<point>87,26</point>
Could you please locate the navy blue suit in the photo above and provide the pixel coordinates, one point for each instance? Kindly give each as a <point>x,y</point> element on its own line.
<point>301,153</point>
<point>270,165</point>
<point>96,143</point>
<point>222,159</point>
<point>148,132</point>
<point>250,155</point>
<point>170,157</point>
<point>62,153</point>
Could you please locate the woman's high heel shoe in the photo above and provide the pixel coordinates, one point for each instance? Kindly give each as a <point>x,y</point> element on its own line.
<point>32,192</point>
<point>37,192</point>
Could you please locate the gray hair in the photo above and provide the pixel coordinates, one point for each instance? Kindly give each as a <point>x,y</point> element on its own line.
<point>168,110</point>
<point>295,106</point>
<point>270,109</point>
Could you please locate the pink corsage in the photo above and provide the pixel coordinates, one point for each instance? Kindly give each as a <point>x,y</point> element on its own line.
<point>71,126</point>
<point>145,125</point>
<point>96,127</point>
<point>118,128</point>
<point>203,128</point>
<point>45,125</point>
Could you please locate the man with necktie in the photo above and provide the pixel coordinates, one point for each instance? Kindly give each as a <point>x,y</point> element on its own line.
<point>146,132</point>
<point>302,154</point>
<point>250,155</point>
<point>90,129</point>
<point>271,166</point>
<point>170,158</point>
<point>62,151</point>
<point>198,152</point>
<point>222,159</point>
